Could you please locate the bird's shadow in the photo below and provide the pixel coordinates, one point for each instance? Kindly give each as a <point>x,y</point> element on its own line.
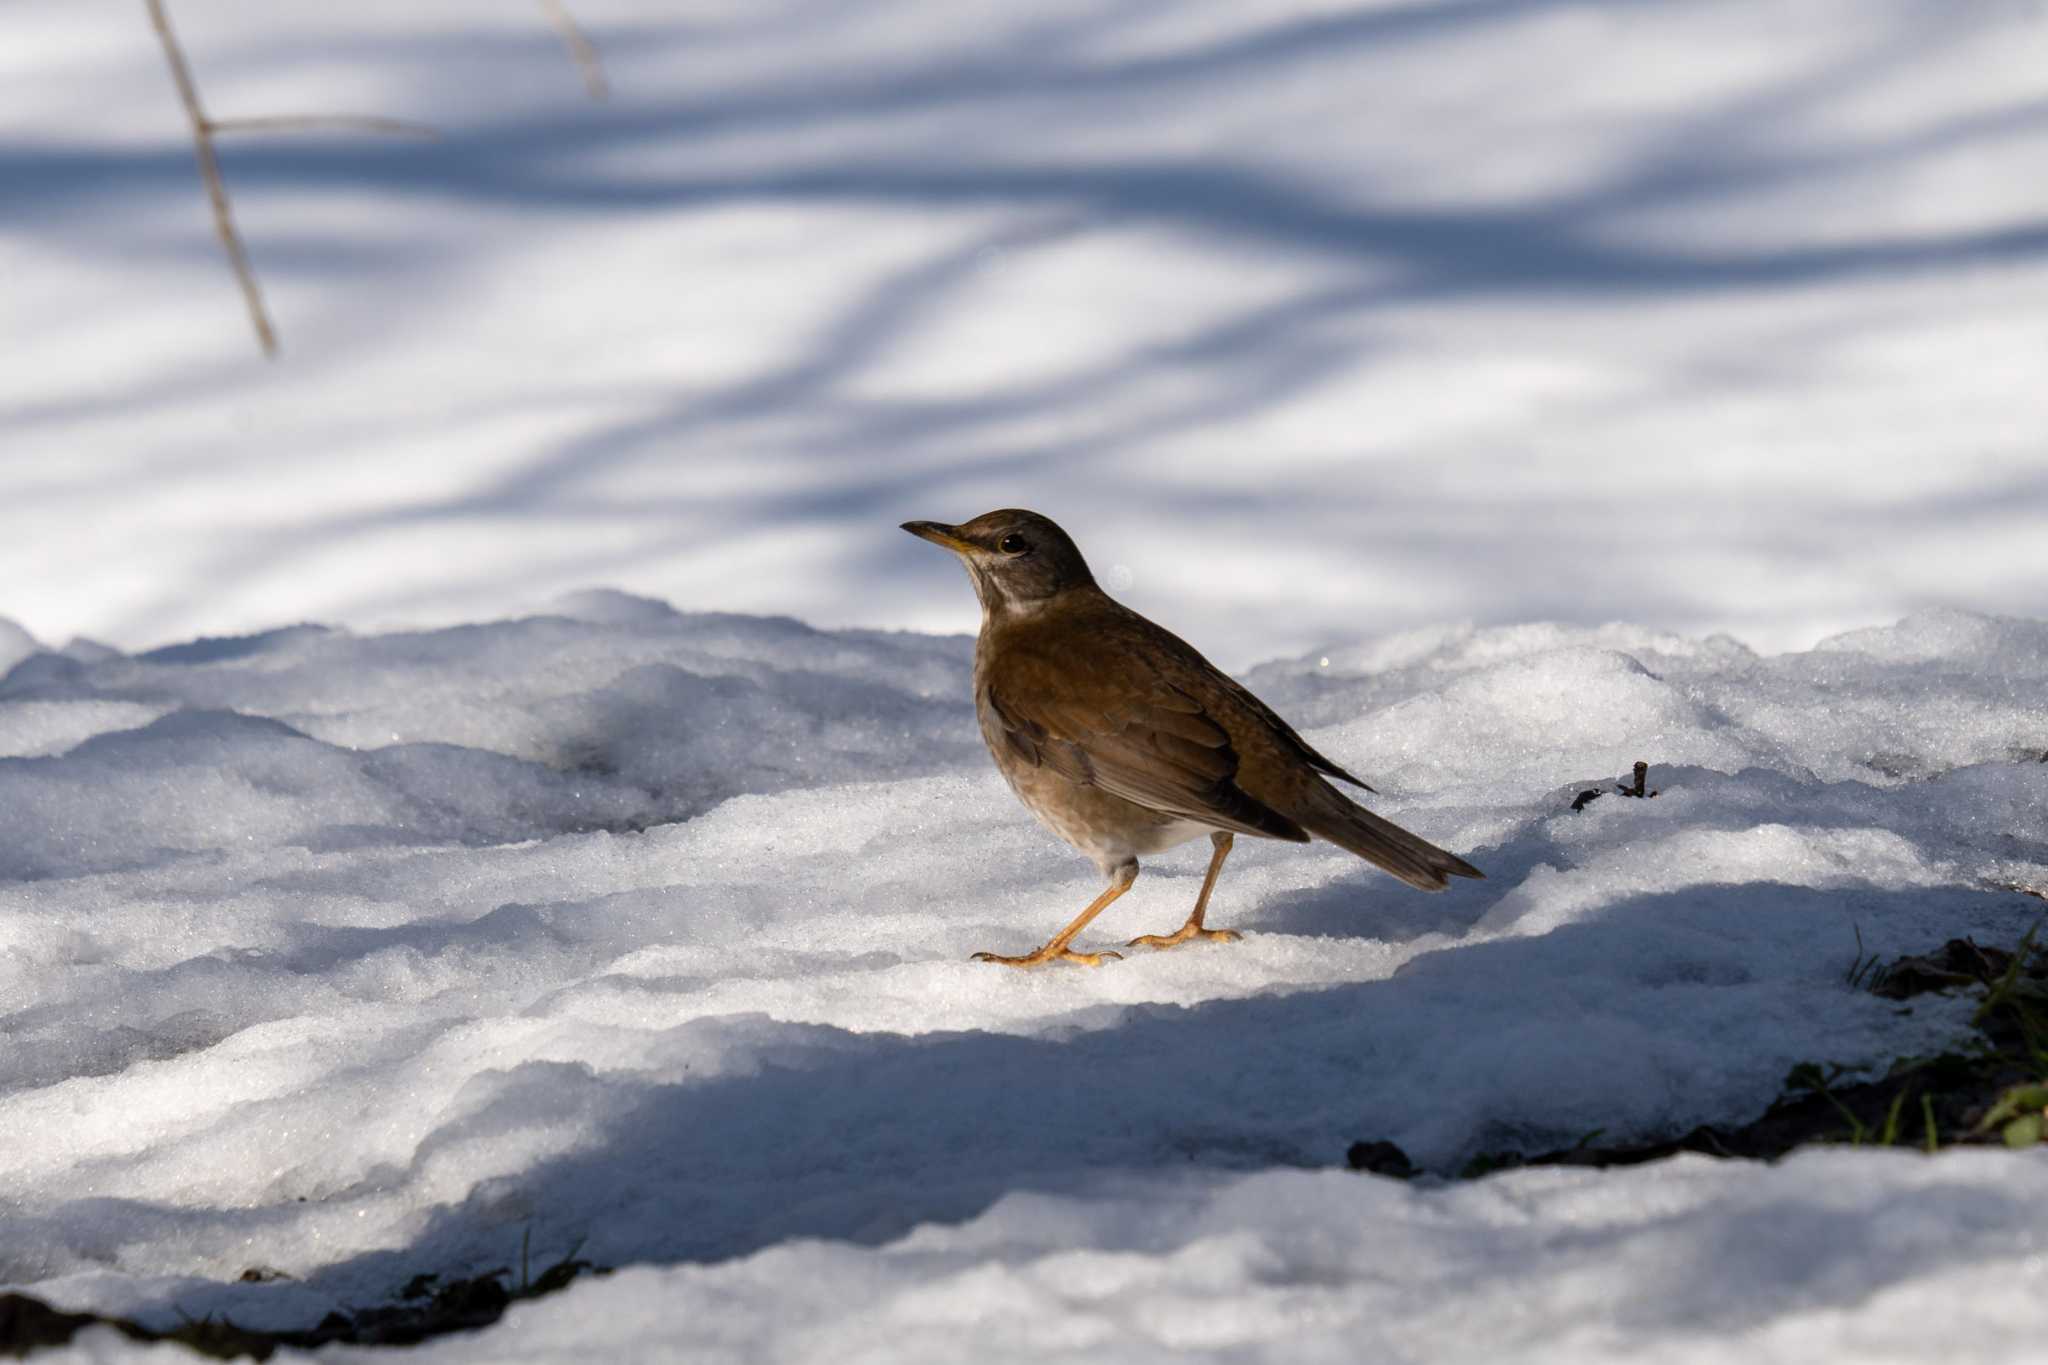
<point>1366,905</point>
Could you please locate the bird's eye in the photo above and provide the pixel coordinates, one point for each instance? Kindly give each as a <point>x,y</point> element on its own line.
<point>1013,544</point>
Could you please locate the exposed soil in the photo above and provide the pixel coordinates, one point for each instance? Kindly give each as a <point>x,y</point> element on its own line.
<point>427,1308</point>
<point>1922,1102</point>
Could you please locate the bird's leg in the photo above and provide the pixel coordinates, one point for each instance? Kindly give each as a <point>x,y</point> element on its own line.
<point>1193,928</point>
<point>1119,882</point>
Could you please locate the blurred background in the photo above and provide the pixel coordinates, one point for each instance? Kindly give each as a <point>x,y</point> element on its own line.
<point>1311,321</point>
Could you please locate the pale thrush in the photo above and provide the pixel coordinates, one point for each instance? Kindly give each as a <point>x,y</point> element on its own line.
<point>1123,740</point>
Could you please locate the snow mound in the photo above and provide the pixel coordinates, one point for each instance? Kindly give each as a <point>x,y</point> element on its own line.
<point>16,644</point>
<point>621,714</point>
<point>372,955</point>
<point>1936,692</point>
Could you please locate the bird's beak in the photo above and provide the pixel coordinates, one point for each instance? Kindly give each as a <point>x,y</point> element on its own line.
<point>940,534</point>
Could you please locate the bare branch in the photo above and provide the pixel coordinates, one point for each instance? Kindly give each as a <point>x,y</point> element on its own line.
<point>580,49</point>
<point>209,171</point>
<point>295,123</point>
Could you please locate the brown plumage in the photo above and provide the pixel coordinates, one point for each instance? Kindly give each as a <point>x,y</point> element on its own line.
<point>1124,741</point>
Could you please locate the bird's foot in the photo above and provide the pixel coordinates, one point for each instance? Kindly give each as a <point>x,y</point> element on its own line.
<point>1186,933</point>
<point>1050,954</point>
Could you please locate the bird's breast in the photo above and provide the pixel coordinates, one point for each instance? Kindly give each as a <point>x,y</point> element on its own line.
<point>1102,825</point>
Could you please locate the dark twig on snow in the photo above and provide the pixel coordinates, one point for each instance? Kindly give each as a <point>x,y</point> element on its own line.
<point>1642,776</point>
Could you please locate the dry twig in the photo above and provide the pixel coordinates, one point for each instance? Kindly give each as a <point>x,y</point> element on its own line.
<point>205,129</point>
<point>209,171</point>
<point>581,51</point>
<point>299,123</point>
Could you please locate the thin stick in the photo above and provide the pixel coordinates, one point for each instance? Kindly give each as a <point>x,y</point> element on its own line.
<point>580,49</point>
<point>293,123</point>
<point>209,171</point>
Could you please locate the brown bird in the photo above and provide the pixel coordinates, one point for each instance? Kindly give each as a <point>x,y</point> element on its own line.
<point>1123,740</point>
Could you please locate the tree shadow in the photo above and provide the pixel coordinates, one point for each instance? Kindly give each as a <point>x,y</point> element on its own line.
<point>1379,253</point>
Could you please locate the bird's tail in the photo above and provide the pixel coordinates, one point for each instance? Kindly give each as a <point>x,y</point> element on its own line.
<point>1383,843</point>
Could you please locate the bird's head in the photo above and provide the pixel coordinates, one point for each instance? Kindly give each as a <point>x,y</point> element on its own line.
<point>1017,559</point>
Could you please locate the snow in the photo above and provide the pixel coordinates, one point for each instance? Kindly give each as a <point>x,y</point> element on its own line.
<point>1718,317</point>
<point>497,775</point>
<point>368,955</point>
<point>1558,1266</point>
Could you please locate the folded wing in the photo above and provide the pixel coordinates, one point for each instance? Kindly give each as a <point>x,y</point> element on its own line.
<point>1153,746</point>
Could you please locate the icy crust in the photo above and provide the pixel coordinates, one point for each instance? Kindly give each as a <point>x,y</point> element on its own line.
<point>354,1013</point>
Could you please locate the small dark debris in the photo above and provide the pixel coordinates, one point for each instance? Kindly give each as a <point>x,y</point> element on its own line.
<point>1642,775</point>
<point>1952,1099</point>
<point>28,1324</point>
<point>262,1274</point>
<point>484,1295</point>
<point>1961,962</point>
<point>1380,1158</point>
<point>1810,1076</point>
<point>1818,1113</point>
<point>1585,798</point>
<point>557,1276</point>
<point>221,1339</point>
<point>1486,1163</point>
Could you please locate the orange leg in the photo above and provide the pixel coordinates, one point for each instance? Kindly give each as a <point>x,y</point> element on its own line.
<point>1193,928</point>
<point>1057,949</point>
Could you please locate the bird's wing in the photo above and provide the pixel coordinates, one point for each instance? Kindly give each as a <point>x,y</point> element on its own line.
<point>1100,717</point>
<point>1286,732</point>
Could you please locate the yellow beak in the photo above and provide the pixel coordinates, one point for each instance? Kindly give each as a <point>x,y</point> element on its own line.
<point>939,534</point>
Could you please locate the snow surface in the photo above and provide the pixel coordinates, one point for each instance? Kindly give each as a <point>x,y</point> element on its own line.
<point>357,957</point>
<point>1691,1262</point>
<point>1722,316</point>
<point>497,909</point>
